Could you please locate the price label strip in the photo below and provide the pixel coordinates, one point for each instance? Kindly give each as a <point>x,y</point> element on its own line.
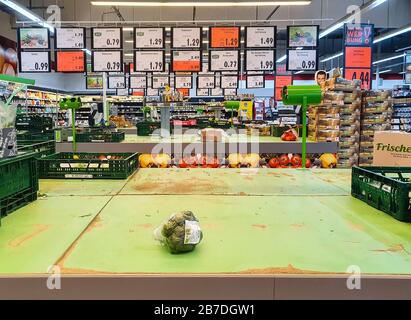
<point>260,37</point>
<point>182,38</point>
<point>227,60</point>
<point>205,82</point>
<point>138,82</point>
<point>255,81</point>
<point>149,38</point>
<point>229,82</point>
<point>186,61</point>
<point>302,60</point>
<point>183,82</point>
<point>260,60</point>
<point>230,92</point>
<point>107,38</point>
<point>107,61</point>
<point>70,38</point>
<point>158,82</point>
<point>36,62</point>
<point>116,82</point>
<point>149,61</point>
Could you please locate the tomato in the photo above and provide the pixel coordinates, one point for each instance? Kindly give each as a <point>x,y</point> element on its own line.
<point>274,163</point>
<point>296,160</point>
<point>284,160</point>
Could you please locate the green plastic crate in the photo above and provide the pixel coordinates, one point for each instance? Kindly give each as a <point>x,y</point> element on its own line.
<point>87,166</point>
<point>100,136</point>
<point>35,136</point>
<point>18,182</point>
<point>385,188</point>
<point>41,149</point>
<point>147,127</point>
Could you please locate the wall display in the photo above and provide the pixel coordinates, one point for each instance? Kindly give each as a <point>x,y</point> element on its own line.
<point>229,82</point>
<point>183,82</point>
<point>358,35</point>
<point>359,74</point>
<point>217,92</point>
<point>70,61</point>
<point>302,36</point>
<point>138,82</point>
<point>260,37</point>
<point>230,92</point>
<point>358,57</point>
<point>116,83</point>
<point>149,61</point>
<point>8,57</point>
<point>255,81</point>
<point>302,60</point>
<point>36,62</point>
<point>260,60</point>
<point>70,38</point>
<point>227,60</point>
<point>182,38</point>
<point>202,92</point>
<point>224,37</point>
<point>149,38</point>
<point>158,82</point>
<point>186,61</point>
<point>107,61</point>
<point>33,38</point>
<point>106,38</point>
<point>150,92</point>
<point>95,82</point>
<point>206,82</point>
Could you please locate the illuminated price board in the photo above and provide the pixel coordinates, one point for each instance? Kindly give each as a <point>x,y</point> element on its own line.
<point>186,61</point>
<point>260,37</point>
<point>224,37</point>
<point>36,62</point>
<point>70,38</point>
<point>182,38</point>
<point>224,60</point>
<point>149,38</point>
<point>107,61</point>
<point>260,60</point>
<point>70,61</point>
<point>149,61</point>
<point>255,81</point>
<point>107,38</point>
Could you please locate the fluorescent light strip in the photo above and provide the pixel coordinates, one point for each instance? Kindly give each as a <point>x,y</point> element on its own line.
<point>201,4</point>
<point>393,34</point>
<point>282,58</point>
<point>385,71</point>
<point>402,72</point>
<point>388,59</point>
<point>299,72</point>
<point>332,57</point>
<point>27,13</point>
<point>403,49</point>
<point>87,51</point>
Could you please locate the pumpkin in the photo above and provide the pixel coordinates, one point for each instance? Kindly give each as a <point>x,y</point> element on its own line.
<point>161,160</point>
<point>146,160</point>
<point>251,160</point>
<point>328,160</point>
<point>235,160</point>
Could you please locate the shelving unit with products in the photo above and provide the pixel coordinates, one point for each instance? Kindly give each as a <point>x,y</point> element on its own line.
<point>401,103</point>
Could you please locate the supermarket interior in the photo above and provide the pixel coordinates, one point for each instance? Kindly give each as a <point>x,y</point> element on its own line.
<point>255,149</point>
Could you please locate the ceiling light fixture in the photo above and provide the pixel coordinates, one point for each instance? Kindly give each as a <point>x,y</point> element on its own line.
<point>393,33</point>
<point>201,4</point>
<point>332,57</point>
<point>403,49</point>
<point>282,58</point>
<point>388,59</point>
<point>385,71</point>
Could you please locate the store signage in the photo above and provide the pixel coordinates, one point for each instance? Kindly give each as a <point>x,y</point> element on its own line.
<point>255,81</point>
<point>229,82</point>
<point>70,38</point>
<point>360,74</point>
<point>358,35</point>
<point>107,38</point>
<point>302,36</point>
<point>122,92</point>
<point>280,83</point>
<point>217,92</point>
<point>228,60</point>
<point>117,83</point>
<point>260,60</point>
<point>70,61</point>
<point>158,82</point>
<point>183,82</point>
<point>230,92</point>
<point>33,38</point>
<point>35,62</point>
<point>358,57</point>
<point>205,82</point>
<point>224,37</point>
<point>202,92</point>
<point>302,60</point>
<point>138,82</point>
<point>408,67</point>
<point>149,38</point>
<point>107,61</point>
<point>185,92</point>
<point>94,82</point>
<point>260,37</point>
<point>149,61</point>
<point>186,61</point>
<point>150,92</point>
<point>182,38</point>
<point>392,149</point>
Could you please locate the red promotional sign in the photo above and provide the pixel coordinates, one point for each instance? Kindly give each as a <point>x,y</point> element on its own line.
<point>224,37</point>
<point>280,82</point>
<point>360,74</point>
<point>359,35</point>
<point>358,57</point>
<point>70,61</point>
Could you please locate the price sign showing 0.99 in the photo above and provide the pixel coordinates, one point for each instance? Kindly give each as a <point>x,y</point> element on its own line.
<point>149,61</point>
<point>107,61</point>
<point>34,62</point>
<point>302,60</point>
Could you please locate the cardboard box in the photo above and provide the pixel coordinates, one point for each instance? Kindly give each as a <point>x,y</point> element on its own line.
<point>8,142</point>
<point>392,149</point>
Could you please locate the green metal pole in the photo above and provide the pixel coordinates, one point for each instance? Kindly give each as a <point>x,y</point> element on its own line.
<point>304,140</point>
<point>73,128</point>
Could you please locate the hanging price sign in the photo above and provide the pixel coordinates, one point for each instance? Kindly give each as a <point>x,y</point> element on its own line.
<point>358,57</point>
<point>70,61</point>
<point>116,82</point>
<point>224,60</point>
<point>150,92</point>
<point>158,82</point>
<point>205,82</point>
<point>186,61</point>
<point>360,74</point>
<point>183,82</point>
<point>138,82</point>
<point>230,92</point>
<point>224,37</point>
<point>107,38</point>
<point>149,61</point>
<point>202,92</point>
<point>229,82</point>
<point>33,38</point>
<point>260,37</point>
<point>70,38</point>
<point>149,38</point>
<point>260,60</point>
<point>36,62</point>
<point>217,92</point>
<point>255,81</point>
<point>107,61</point>
<point>302,60</point>
<point>186,38</point>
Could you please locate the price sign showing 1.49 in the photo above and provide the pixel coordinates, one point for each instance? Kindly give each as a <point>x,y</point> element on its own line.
<point>260,60</point>
<point>229,82</point>
<point>260,37</point>
<point>70,38</point>
<point>34,61</point>
<point>302,60</point>
<point>160,82</point>
<point>205,82</point>
<point>186,37</point>
<point>360,74</point>
<point>107,38</point>
<point>149,38</point>
<point>149,61</point>
<point>107,61</point>
<point>227,60</point>
<point>254,82</point>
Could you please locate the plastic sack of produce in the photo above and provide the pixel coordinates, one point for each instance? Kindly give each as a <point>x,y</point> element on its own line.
<point>180,233</point>
<point>7,115</point>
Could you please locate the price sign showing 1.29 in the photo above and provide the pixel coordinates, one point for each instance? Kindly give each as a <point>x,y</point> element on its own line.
<point>302,60</point>
<point>107,61</point>
<point>107,38</point>
<point>148,38</point>
<point>260,60</point>
<point>186,37</point>
<point>360,74</point>
<point>34,61</point>
<point>149,61</point>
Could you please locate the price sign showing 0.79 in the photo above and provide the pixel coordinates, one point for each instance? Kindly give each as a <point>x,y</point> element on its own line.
<point>107,61</point>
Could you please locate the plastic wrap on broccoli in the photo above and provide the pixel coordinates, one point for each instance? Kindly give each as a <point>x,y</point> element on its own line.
<point>181,232</point>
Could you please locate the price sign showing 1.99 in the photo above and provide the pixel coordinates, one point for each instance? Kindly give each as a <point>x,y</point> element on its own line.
<point>364,75</point>
<point>186,37</point>
<point>302,60</point>
<point>107,61</point>
<point>227,60</point>
<point>149,61</point>
<point>34,62</point>
<point>260,60</point>
<point>149,38</point>
<point>260,37</point>
<point>107,38</point>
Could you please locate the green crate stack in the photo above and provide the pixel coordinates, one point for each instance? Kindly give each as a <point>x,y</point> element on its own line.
<point>18,182</point>
<point>36,136</point>
<point>100,136</point>
<point>385,188</point>
<point>68,165</point>
<point>146,128</point>
<point>42,149</point>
